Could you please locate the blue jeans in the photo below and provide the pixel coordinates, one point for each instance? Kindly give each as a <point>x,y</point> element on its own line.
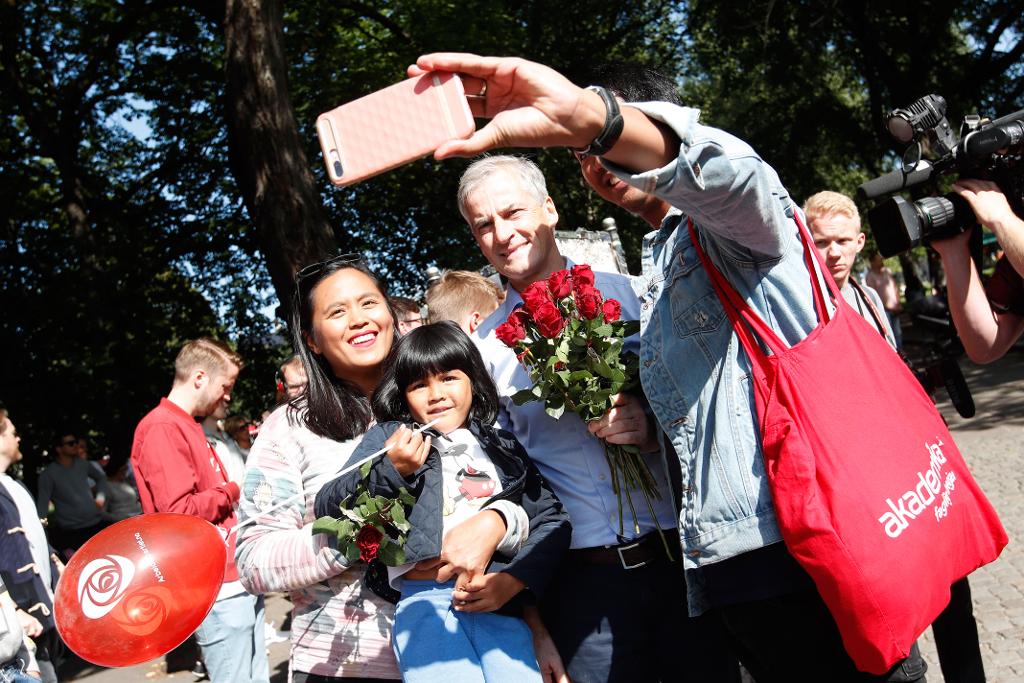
<point>231,638</point>
<point>434,643</point>
<point>14,672</point>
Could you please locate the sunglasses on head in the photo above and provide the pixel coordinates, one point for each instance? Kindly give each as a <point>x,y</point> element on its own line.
<point>315,269</point>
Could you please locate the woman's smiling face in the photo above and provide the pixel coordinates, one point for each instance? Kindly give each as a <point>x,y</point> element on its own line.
<point>352,325</point>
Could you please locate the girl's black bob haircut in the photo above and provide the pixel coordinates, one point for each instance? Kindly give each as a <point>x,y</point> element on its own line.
<point>428,350</point>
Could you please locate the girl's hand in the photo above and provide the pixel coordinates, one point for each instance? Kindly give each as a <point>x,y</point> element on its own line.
<point>407,450</point>
<point>552,670</point>
<point>485,592</point>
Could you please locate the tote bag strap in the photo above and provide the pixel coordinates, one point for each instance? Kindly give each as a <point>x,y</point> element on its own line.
<point>745,320</point>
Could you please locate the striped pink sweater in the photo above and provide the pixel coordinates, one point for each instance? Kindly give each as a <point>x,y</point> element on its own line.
<point>339,628</point>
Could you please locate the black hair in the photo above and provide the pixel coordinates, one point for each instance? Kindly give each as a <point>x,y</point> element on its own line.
<point>331,406</point>
<point>633,82</point>
<point>427,350</point>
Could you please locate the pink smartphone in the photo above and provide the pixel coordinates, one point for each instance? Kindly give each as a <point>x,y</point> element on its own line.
<point>393,126</point>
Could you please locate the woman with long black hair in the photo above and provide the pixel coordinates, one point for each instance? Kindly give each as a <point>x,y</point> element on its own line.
<point>342,328</point>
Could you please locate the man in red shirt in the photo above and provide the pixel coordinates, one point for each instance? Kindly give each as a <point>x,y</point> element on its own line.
<point>177,470</point>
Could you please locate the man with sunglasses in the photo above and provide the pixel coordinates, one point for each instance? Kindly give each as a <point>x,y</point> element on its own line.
<point>77,515</point>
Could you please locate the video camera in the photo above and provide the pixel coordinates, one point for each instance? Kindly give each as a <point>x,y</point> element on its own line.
<point>990,150</point>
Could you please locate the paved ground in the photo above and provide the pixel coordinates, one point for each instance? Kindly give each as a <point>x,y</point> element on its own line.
<point>992,442</point>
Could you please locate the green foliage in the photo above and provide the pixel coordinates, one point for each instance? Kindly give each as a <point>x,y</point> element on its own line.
<point>123,231</point>
<point>808,83</point>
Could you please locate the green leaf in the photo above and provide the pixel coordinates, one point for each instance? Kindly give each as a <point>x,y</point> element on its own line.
<point>364,469</point>
<point>326,525</point>
<point>398,515</point>
<point>555,412</point>
<point>603,330</point>
<point>391,554</point>
<point>524,396</point>
<point>351,552</point>
<point>405,497</point>
<point>346,529</point>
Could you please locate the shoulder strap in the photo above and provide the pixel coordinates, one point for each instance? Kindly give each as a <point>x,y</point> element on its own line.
<point>745,320</point>
<point>871,307</point>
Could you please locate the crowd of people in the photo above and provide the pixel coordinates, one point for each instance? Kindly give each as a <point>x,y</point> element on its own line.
<point>534,579</point>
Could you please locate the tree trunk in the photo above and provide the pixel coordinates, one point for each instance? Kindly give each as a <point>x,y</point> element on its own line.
<point>265,149</point>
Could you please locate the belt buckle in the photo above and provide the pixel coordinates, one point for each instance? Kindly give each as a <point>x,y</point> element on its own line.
<point>622,559</point>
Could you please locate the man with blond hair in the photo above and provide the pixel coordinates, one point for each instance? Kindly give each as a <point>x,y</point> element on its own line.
<point>178,470</point>
<point>834,223</point>
<point>464,297</point>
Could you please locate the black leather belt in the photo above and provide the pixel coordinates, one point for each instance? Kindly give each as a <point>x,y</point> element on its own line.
<point>634,554</point>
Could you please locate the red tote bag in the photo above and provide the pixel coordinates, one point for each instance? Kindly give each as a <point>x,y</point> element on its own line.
<point>871,494</point>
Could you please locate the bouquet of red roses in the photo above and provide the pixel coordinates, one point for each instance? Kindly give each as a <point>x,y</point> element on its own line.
<point>571,341</point>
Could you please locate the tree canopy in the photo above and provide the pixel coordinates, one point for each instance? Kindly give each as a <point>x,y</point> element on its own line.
<point>161,177</point>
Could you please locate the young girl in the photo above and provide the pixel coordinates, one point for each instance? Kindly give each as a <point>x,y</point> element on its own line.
<point>466,629</point>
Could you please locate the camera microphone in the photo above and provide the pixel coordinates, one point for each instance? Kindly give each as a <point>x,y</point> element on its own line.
<point>895,181</point>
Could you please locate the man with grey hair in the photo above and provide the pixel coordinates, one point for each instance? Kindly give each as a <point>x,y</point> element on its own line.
<point>616,611</point>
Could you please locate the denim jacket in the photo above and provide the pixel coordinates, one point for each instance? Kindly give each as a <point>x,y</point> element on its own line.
<point>693,369</point>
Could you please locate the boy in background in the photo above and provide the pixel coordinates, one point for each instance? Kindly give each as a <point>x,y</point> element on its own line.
<point>464,297</point>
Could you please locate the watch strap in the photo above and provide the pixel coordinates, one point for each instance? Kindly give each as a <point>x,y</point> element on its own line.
<point>613,125</point>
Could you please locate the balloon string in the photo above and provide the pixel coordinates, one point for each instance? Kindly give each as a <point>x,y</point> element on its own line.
<point>300,494</point>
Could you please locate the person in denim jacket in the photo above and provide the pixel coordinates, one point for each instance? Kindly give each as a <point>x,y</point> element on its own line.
<point>694,372</point>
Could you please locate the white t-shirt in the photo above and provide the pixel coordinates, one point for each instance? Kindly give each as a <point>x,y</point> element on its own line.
<point>470,479</point>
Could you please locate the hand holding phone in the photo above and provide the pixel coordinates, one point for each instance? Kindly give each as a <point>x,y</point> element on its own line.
<point>393,126</point>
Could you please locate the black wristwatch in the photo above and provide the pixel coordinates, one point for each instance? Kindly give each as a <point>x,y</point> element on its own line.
<point>613,124</point>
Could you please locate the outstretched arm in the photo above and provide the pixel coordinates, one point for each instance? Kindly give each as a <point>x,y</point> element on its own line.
<point>710,175</point>
<point>986,334</point>
<point>531,105</point>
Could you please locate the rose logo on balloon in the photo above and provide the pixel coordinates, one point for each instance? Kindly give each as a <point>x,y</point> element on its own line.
<point>103,583</point>
<point>143,611</point>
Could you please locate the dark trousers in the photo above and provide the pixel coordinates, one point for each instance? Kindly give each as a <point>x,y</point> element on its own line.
<point>67,541</point>
<point>631,625</point>
<point>793,638</point>
<point>956,638</point>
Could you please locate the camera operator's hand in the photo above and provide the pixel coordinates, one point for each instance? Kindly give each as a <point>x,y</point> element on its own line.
<point>985,333</point>
<point>993,211</point>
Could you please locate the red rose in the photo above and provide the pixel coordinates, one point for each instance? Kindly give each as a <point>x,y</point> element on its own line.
<point>588,302</point>
<point>612,310</point>
<point>549,320</point>
<point>536,296</point>
<point>560,284</point>
<point>512,330</point>
<point>368,540</point>
<point>582,278</point>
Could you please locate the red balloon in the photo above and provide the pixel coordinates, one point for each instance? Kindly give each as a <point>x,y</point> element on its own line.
<point>139,588</point>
